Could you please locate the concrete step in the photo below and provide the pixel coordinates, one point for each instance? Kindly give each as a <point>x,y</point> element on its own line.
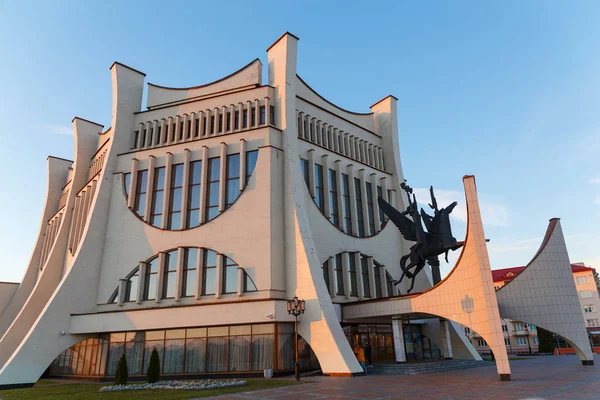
<point>426,367</point>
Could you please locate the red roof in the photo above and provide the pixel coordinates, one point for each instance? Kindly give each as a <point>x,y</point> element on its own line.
<point>507,274</point>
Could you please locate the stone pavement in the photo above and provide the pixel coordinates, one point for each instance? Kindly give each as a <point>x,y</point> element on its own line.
<point>537,378</point>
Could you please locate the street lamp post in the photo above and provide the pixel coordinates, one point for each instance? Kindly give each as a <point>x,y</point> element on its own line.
<point>295,307</point>
<point>527,334</point>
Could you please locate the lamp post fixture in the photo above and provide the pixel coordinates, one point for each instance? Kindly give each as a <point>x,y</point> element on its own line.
<point>295,307</point>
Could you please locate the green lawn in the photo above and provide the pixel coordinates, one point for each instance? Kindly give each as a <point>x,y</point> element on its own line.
<point>46,390</point>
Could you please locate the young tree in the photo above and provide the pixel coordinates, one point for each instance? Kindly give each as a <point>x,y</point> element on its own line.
<point>153,374</point>
<point>546,340</point>
<point>121,374</point>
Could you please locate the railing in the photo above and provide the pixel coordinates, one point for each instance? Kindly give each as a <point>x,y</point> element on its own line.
<point>326,135</point>
<point>203,124</point>
<point>83,202</point>
<point>50,235</point>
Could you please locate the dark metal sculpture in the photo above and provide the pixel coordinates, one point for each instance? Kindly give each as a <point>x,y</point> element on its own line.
<point>430,243</point>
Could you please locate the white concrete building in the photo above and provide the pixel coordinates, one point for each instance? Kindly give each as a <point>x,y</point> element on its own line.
<point>188,224</point>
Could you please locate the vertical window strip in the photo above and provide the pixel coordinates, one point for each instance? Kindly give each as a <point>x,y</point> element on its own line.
<point>370,208</point>
<point>326,275</point>
<point>251,158</point>
<point>212,192</point>
<point>140,192</point>
<point>170,273</point>
<point>127,182</point>
<point>193,200</point>
<point>131,286</point>
<point>272,115</point>
<point>262,117</point>
<point>339,275</point>
<point>381,213</point>
<point>151,279</point>
<point>333,196</point>
<point>319,199</point>
<point>209,272</point>
<point>158,189</point>
<point>364,266</point>
<point>377,277</point>
<point>175,197</point>
<point>352,278</point>
<point>189,272</point>
<point>346,204</point>
<point>390,284</point>
<point>305,174</point>
<point>230,276</point>
<point>359,213</point>
<point>232,188</point>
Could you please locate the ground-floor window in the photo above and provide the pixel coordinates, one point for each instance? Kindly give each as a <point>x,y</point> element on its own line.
<point>219,349</point>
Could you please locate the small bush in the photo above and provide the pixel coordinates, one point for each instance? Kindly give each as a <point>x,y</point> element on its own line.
<point>121,374</point>
<point>153,374</point>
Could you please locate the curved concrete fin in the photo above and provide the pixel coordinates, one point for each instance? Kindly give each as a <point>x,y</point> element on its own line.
<point>465,296</point>
<point>544,294</point>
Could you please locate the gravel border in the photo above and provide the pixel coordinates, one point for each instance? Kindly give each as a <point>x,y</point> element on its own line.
<point>176,385</point>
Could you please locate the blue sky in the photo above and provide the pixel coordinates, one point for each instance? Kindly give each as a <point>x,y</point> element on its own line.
<point>507,91</point>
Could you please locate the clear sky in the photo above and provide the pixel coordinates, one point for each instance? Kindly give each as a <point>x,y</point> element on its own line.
<point>507,91</point>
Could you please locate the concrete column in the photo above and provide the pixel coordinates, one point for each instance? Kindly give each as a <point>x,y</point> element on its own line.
<point>232,118</point>
<point>184,191</point>
<point>201,124</point>
<point>199,272</point>
<point>345,269</point>
<point>178,132</point>
<point>381,161</point>
<point>169,130</point>
<point>326,187</point>
<point>122,290</point>
<point>179,273</point>
<point>334,137</point>
<point>141,281</point>
<point>242,164</point>
<point>240,275</point>
<point>224,111</point>
<point>371,266</point>
<point>160,276</point>
<point>248,114</point>
<point>398,333</point>
<point>208,130</point>
<point>216,124</point>
<point>141,138</point>
<point>353,216</point>
<point>162,138</point>
<point>375,203</point>
<point>192,125</point>
<point>318,137</point>
<point>241,116</point>
<point>203,180</point>
<point>311,172</point>
<point>223,177</point>
<point>186,128</point>
<point>149,134</point>
<point>445,339</point>
<point>300,118</point>
<point>325,138</point>
<point>219,277</point>
<point>256,112</point>
<point>351,146</point>
<point>149,188</point>
<point>167,192</point>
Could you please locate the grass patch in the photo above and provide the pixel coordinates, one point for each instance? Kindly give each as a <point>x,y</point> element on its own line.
<point>51,390</point>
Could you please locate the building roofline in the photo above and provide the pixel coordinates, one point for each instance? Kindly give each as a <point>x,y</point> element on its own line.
<point>329,102</point>
<point>87,120</point>
<point>281,37</point>
<point>127,66</point>
<point>389,95</point>
<point>59,158</point>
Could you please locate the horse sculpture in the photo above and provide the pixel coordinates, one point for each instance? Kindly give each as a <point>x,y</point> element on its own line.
<point>430,243</point>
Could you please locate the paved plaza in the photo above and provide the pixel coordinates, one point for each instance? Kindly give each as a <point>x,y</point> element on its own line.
<point>538,378</point>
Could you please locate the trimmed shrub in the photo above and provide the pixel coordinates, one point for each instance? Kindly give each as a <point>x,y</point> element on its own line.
<point>546,340</point>
<point>121,374</point>
<point>153,374</point>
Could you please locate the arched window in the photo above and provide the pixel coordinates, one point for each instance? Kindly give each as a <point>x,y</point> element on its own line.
<point>249,285</point>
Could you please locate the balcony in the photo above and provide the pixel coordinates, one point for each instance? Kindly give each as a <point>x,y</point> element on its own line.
<point>520,332</point>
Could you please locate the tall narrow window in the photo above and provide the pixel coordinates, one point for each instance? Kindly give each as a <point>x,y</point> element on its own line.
<point>333,197</point>
<point>131,286</point>
<point>228,124</point>
<point>359,212</point>
<point>232,189</point>
<point>319,199</point>
<point>390,284</point>
<point>346,204</point>
<point>230,276</point>
<point>381,213</point>
<point>251,158</point>
<point>189,272</point>
<point>175,198</point>
<point>339,275</point>
<point>127,182</point>
<point>377,277</point>
<point>151,279</point>
<point>221,122</point>
<point>209,272</point>
<point>262,115</point>
<point>326,275</point>
<point>272,115</point>
<point>236,120</point>
<point>370,209</point>
<point>196,127</point>
<point>136,135</point>
<point>352,280</point>
<point>212,124</point>
<point>304,166</point>
<point>245,119</point>
<point>212,192</point>
<point>364,269</point>
<point>249,285</point>
<point>140,192</point>
<point>168,289</point>
<point>193,202</point>
<point>158,189</point>
<point>253,116</point>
